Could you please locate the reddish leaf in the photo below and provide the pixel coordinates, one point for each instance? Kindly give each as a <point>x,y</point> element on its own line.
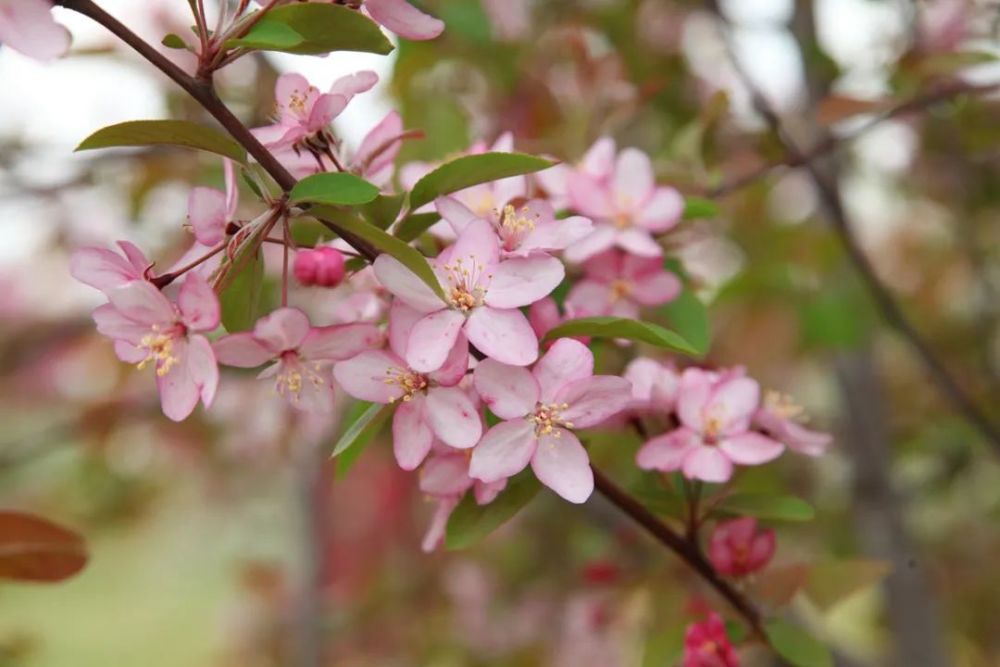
<point>835,108</point>
<point>35,549</point>
<point>776,586</point>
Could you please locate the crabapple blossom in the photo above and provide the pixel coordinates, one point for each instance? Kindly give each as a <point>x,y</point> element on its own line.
<point>654,385</point>
<point>523,229</point>
<point>106,270</point>
<point>597,163</point>
<point>445,477</point>
<point>27,26</point>
<point>302,354</point>
<point>398,16</point>
<point>627,209</point>
<point>322,267</point>
<point>706,645</point>
<point>619,284</point>
<point>483,293</point>
<point>715,412</point>
<point>378,150</point>
<point>541,408</point>
<point>148,328</point>
<point>431,405</point>
<point>737,548</point>
<point>780,418</point>
<point>209,210</point>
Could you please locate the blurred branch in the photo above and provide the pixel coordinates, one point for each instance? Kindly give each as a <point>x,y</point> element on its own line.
<point>203,91</point>
<point>842,226</point>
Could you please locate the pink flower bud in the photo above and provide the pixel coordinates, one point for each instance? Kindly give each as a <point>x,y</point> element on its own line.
<point>737,548</point>
<point>323,267</point>
<point>706,645</point>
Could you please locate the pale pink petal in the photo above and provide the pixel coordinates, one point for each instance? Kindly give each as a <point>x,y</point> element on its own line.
<point>508,391</point>
<point>411,435</point>
<point>439,524</point>
<point>206,212</point>
<point>453,417</point>
<point>143,303</point>
<point>241,350</point>
<point>588,296</point>
<point>203,368</point>
<point>129,353</point>
<point>555,180</point>
<point>27,26</point>
<point>365,376</point>
<point>198,304</point>
<point>751,448</point>
<point>380,146</point>
<point>445,475</point>
<point>457,214</point>
<point>135,256</point>
<point>404,19</point>
<point>734,402</point>
<point>762,549</point>
<point>599,161</point>
<point>557,234</point>
<point>406,285</point>
<point>339,342</point>
<point>288,86</point>
<point>402,319</point>
<point>567,361</point>
<point>803,440</point>
<point>354,84</point>
<point>432,340</point>
<point>524,280</point>
<point>600,239</point>
<point>179,392</point>
<point>316,394</point>
<point>477,248</point>
<point>589,197</point>
<point>455,365</point>
<point>504,451</point>
<point>662,211</point>
<point>692,397</point>
<point>707,464</point>
<point>561,463</point>
<point>667,452</point>
<point>544,315</point>
<point>593,400</point>
<point>327,108</point>
<point>654,289</point>
<point>282,330</point>
<point>486,492</point>
<point>113,324</point>
<point>102,268</point>
<point>504,335</point>
<point>638,242</point>
<point>633,180</point>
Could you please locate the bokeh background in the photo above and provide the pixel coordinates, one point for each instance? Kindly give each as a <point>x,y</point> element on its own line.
<point>227,541</point>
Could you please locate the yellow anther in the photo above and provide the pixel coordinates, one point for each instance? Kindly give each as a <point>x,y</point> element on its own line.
<point>620,289</point>
<point>159,350</point>
<point>406,380</point>
<point>547,419</point>
<point>783,405</point>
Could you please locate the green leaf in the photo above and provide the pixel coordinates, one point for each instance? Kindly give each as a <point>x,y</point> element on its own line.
<point>383,210</point>
<point>322,27</point>
<point>159,132</point>
<point>471,522</point>
<point>268,36</point>
<point>384,242</point>
<point>696,208</point>
<point>620,327</point>
<point>173,41</point>
<point>835,581</point>
<point>471,170</point>
<point>763,506</point>
<point>688,316</point>
<point>365,427</point>
<point>240,299</point>
<point>338,189</point>
<point>414,225</point>
<point>796,646</point>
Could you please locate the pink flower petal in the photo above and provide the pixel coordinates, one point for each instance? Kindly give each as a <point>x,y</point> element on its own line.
<point>662,211</point>
<point>599,160</point>
<point>198,304</point>
<point>504,451</point>
<point>380,146</point>
<point>446,475</point>
<point>327,108</point>
<point>141,302</point>
<point>282,330</point>
<point>735,401</point>
<point>453,417</point>
<point>692,397</point>
<point>206,212</point>
<point>557,234</point>
<point>638,242</point>
<point>751,448</point>
<point>600,239</point>
<point>365,376</point>
<point>113,324</point>
<point>27,26</point>
<point>354,84</point>
<point>439,524</point>
<point>522,281</point>
<point>666,452</point>
<point>402,319</point>
<point>588,196</point>
<point>179,392</point>
<point>339,342</point>
<point>593,400</point>
<point>406,285</point>
<point>102,268</point>
<point>477,248</point>
<point>432,340</point>
<point>203,368</point>
<point>504,335</point>
<point>707,464</point>
<point>508,391</point>
<point>455,213</point>
<point>241,350</point>
<point>633,180</point>
<point>486,492</point>
<point>411,435</point>
<point>455,366</point>
<point>655,289</point>
<point>561,463</point>
<point>404,19</point>
<point>566,362</point>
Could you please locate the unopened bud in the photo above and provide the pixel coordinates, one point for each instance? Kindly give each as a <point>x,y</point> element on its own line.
<point>322,267</point>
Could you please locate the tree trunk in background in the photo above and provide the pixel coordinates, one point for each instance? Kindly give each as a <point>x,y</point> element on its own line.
<point>910,605</point>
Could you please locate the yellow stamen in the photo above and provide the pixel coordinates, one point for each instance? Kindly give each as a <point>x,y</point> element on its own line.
<point>406,380</point>
<point>159,350</point>
<point>547,419</point>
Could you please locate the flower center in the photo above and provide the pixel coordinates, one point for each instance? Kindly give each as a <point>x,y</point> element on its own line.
<point>622,220</point>
<point>465,291</point>
<point>514,226</point>
<point>294,375</point>
<point>620,289</point>
<point>783,405</point>
<point>712,428</point>
<point>547,418</point>
<point>159,346</point>
<point>406,380</point>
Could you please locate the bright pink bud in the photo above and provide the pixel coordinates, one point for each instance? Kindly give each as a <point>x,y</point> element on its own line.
<point>737,548</point>
<point>323,266</point>
<point>706,645</point>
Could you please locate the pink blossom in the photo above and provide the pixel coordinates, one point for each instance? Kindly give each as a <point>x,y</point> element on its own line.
<point>737,548</point>
<point>106,270</point>
<point>404,19</point>
<point>524,229</point>
<point>209,210</point>
<point>540,409</point>
<point>706,645</point>
<point>544,316</point>
<point>322,266</point>
<point>302,354</point>
<point>780,418</point>
<point>27,26</point>
<point>619,284</point>
<point>627,210</point>
<point>715,412</point>
<point>483,295</point>
<point>430,404</point>
<point>147,327</point>
<point>654,385</point>
<point>378,150</point>
<point>598,164</point>
<point>445,477</point>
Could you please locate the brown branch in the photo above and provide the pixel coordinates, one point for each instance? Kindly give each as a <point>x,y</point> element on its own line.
<point>842,225</point>
<point>204,93</point>
<point>686,550</point>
